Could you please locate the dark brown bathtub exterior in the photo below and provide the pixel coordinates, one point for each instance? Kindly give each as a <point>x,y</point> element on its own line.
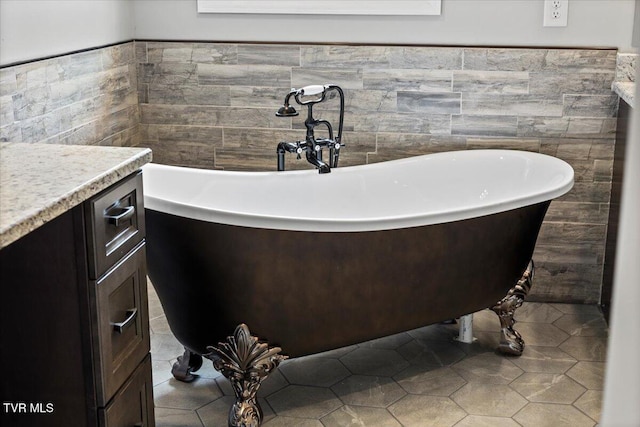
<point>308,292</point>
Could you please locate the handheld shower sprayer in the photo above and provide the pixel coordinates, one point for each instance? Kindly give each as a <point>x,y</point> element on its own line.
<point>287,110</point>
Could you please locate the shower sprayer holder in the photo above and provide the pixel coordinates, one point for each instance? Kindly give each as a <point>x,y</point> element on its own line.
<point>312,147</point>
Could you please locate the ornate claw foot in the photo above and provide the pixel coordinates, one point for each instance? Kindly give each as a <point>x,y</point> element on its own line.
<point>246,363</point>
<point>511,341</point>
<point>188,363</point>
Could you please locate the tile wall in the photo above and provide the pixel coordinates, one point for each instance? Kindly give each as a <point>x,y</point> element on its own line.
<point>212,105</point>
<point>87,98</point>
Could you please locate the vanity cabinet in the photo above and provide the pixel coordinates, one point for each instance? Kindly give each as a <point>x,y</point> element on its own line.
<point>74,317</point>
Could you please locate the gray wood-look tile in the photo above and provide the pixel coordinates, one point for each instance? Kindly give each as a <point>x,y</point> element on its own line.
<point>370,100</point>
<point>8,82</point>
<point>344,56</point>
<point>345,78</point>
<point>499,82</point>
<point>552,84</point>
<point>206,115</point>
<point>288,55</point>
<point>511,105</point>
<point>158,93</point>
<point>484,125</point>
<point>495,59</point>
<point>402,122</point>
<point>244,75</point>
<point>429,103</point>
<point>590,105</point>
<point>422,80</point>
<point>254,96</point>
<point>168,73</point>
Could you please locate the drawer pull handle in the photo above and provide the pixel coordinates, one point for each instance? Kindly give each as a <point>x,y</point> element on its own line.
<point>120,214</point>
<point>132,313</point>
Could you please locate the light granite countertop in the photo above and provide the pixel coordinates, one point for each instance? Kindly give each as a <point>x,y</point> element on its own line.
<point>38,182</point>
<point>626,91</point>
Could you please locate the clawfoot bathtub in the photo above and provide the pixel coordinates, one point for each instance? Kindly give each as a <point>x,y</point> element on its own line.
<point>314,262</point>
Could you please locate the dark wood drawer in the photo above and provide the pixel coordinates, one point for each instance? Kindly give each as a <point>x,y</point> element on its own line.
<point>115,224</point>
<point>132,406</point>
<point>121,332</point>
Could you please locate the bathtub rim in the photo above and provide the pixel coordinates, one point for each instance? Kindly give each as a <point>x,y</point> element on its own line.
<point>310,224</point>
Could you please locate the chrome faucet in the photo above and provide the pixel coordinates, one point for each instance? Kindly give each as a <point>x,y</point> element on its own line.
<point>312,146</point>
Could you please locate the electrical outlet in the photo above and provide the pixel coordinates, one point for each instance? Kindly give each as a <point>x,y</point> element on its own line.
<point>556,13</point>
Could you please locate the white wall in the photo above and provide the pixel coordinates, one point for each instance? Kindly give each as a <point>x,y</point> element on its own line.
<point>32,29</point>
<point>607,23</point>
<point>622,385</point>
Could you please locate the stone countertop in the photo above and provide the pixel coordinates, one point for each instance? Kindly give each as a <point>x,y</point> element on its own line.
<point>626,91</point>
<point>38,182</point>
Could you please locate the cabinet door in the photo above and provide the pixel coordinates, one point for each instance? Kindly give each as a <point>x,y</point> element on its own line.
<point>132,406</point>
<point>122,327</point>
<point>45,351</point>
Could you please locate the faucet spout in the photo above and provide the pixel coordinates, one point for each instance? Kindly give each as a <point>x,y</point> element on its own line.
<point>319,164</point>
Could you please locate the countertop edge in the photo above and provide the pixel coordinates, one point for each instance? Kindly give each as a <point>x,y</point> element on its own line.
<point>49,211</point>
<point>626,91</point>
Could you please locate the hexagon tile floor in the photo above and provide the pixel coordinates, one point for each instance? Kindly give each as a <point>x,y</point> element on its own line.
<point>417,378</point>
